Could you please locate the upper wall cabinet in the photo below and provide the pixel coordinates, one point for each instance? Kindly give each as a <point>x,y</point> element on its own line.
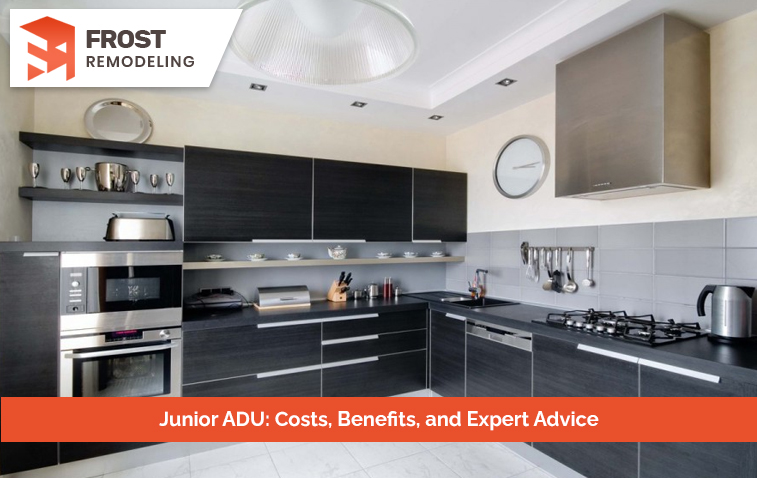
<point>357,201</point>
<point>440,206</point>
<point>241,196</point>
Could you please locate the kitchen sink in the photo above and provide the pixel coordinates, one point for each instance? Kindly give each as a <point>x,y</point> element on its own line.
<point>482,302</point>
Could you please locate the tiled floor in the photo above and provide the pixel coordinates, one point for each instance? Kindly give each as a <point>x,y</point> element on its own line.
<point>342,460</point>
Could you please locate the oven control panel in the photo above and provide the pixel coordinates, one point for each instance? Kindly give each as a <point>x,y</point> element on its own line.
<point>73,286</point>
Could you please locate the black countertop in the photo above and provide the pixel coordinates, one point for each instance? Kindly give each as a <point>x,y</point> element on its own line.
<point>95,246</point>
<point>203,319</point>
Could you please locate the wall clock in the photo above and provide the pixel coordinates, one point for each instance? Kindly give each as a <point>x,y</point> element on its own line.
<point>521,167</point>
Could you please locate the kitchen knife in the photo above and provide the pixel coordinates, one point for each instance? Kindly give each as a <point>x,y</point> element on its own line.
<point>348,279</point>
<point>341,279</point>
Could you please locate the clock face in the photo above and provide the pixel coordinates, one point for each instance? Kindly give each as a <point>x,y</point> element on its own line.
<point>521,167</point>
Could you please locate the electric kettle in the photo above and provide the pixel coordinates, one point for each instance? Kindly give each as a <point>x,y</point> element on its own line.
<point>732,309</point>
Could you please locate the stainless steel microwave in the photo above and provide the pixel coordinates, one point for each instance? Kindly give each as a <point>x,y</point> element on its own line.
<point>110,291</point>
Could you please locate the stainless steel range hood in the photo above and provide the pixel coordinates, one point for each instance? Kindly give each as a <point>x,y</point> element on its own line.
<point>633,114</point>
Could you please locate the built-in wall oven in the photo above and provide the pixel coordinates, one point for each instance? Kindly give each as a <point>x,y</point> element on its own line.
<point>120,324</point>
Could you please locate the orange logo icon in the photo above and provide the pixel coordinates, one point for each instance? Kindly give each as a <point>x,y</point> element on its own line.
<point>60,46</point>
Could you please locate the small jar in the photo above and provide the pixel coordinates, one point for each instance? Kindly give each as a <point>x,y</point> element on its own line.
<point>387,287</point>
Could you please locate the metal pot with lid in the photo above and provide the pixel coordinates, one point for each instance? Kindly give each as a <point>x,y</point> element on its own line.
<point>111,176</point>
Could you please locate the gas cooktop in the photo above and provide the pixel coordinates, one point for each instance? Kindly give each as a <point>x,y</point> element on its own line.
<point>640,329</point>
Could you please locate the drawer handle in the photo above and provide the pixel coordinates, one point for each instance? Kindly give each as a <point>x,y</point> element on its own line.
<point>607,353</point>
<point>456,317</point>
<point>350,339</point>
<point>681,371</point>
<point>316,321</point>
<point>350,362</point>
<point>40,254</point>
<point>427,241</point>
<point>288,371</point>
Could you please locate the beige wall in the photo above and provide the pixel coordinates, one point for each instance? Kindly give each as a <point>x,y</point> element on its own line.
<point>734,154</point>
<point>16,114</point>
<point>180,121</point>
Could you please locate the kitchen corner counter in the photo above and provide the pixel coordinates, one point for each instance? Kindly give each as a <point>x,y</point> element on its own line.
<point>735,361</point>
<point>250,316</point>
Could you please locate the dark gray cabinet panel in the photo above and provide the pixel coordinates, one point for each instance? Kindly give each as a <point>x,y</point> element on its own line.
<point>236,351</point>
<point>385,344</point>
<point>440,205</point>
<point>447,355</point>
<point>74,451</point>
<point>389,375</point>
<point>302,384</point>
<point>386,322</point>
<point>694,460</point>
<point>29,341</point>
<point>496,370</point>
<point>561,370</point>
<point>16,457</point>
<point>362,201</point>
<point>240,196</point>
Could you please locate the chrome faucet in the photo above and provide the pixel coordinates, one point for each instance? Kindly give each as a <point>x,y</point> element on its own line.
<point>478,288</point>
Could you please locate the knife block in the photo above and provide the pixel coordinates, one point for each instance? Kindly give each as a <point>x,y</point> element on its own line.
<point>334,294</point>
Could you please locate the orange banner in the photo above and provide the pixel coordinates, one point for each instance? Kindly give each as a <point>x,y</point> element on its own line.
<point>379,419</point>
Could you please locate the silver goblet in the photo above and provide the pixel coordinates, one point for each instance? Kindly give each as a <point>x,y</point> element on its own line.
<point>154,180</point>
<point>169,180</point>
<point>34,170</point>
<point>81,175</point>
<point>65,175</point>
<point>134,176</point>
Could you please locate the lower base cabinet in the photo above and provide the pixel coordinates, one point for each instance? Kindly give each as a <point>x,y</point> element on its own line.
<point>74,451</point>
<point>16,457</point>
<point>447,355</point>
<point>380,377</point>
<point>301,384</point>
<point>560,369</point>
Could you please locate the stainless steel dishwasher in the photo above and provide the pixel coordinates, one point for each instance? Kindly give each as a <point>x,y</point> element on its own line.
<point>498,361</point>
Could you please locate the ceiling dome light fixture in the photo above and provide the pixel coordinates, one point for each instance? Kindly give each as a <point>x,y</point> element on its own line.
<point>325,42</point>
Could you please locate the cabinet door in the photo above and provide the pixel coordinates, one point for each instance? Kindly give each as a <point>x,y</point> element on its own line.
<point>75,451</point>
<point>496,370</point>
<point>240,196</point>
<point>238,351</point>
<point>561,370</point>
<point>29,345</point>
<point>440,206</point>
<point>447,355</point>
<point>694,460</point>
<point>362,201</point>
<point>302,384</point>
<point>381,377</point>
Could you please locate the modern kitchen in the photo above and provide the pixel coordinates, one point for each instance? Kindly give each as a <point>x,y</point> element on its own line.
<point>393,199</point>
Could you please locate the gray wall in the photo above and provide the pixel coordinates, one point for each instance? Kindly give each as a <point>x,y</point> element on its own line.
<point>647,268</point>
<point>410,277</point>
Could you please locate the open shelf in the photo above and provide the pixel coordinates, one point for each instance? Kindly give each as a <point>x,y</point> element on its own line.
<point>85,195</point>
<point>117,149</point>
<point>316,262</point>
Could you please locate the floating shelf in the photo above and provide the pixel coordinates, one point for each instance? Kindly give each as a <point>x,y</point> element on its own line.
<point>118,149</point>
<point>85,195</point>
<point>315,262</point>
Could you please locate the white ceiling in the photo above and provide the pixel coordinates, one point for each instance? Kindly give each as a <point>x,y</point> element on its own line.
<point>466,47</point>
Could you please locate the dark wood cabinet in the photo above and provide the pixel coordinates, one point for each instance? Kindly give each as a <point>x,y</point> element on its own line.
<point>496,370</point>
<point>386,322</point>
<point>301,384</point>
<point>241,196</point>
<point>362,201</point>
<point>560,369</point>
<point>381,377</point>
<point>29,344</point>
<point>447,355</point>
<point>440,205</point>
<point>74,451</point>
<point>694,460</point>
<point>238,351</point>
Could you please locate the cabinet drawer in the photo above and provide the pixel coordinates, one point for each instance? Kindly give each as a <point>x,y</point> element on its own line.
<point>384,323</point>
<point>383,377</point>
<point>374,345</point>
<point>74,451</point>
<point>301,384</point>
<point>236,351</point>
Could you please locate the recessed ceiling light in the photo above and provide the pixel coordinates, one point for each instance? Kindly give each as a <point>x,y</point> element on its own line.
<point>358,104</point>
<point>506,82</point>
<point>255,86</point>
<point>435,117</point>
